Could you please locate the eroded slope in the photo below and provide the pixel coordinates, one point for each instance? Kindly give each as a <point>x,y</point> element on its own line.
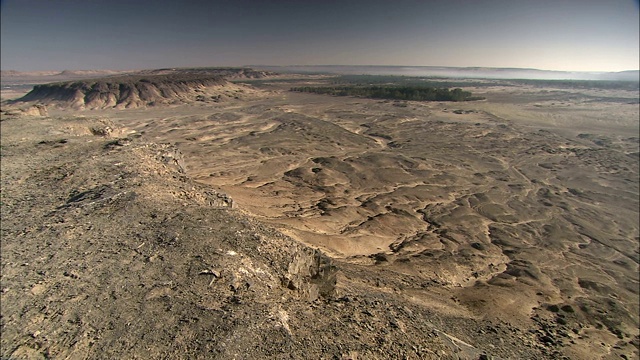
<point>109,250</point>
<point>144,88</point>
<point>513,219</point>
<point>510,224</point>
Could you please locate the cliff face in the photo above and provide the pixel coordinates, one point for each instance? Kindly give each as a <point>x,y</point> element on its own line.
<point>146,88</point>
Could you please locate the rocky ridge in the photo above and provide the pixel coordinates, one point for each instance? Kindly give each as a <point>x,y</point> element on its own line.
<point>144,88</point>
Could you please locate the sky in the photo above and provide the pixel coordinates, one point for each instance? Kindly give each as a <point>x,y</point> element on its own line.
<point>568,35</point>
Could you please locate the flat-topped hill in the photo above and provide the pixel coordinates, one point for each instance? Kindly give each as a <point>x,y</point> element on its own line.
<point>144,88</point>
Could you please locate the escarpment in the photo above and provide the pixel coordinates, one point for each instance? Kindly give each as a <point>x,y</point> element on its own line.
<point>145,88</point>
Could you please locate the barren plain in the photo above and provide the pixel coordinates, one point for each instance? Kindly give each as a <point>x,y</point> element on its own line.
<point>366,228</point>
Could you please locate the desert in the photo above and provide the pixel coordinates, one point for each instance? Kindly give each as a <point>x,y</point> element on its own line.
<point>215,213</point>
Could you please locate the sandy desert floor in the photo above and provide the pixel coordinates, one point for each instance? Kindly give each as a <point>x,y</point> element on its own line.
<point>521,209</point>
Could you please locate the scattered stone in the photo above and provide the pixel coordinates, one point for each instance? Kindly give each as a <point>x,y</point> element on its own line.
<point>380,257</point>
<point>553,308</point>
<point>547,340</point>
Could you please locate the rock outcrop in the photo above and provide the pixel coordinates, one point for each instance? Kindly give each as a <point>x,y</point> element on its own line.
<point>145,88</point>
<point>33,110</point>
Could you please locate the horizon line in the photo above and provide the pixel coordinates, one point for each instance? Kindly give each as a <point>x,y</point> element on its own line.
<point>327,65</point>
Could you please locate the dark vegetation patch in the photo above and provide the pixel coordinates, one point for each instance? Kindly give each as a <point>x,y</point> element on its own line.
<point>393,92</point>
<point>420,81</point>
<point>453,82</point>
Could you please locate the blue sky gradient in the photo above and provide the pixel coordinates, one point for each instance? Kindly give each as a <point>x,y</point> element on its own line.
<point>574,35</point>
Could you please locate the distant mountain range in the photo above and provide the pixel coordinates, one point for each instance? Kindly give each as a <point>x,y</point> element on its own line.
<point>456,72</point>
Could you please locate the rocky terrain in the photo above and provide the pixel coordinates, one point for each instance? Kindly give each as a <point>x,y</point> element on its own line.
<point>504,228</point>
<point>136,89</point>
<point>110,250</point>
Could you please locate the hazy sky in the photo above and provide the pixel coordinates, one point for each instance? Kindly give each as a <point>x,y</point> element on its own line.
<point>581,35</point>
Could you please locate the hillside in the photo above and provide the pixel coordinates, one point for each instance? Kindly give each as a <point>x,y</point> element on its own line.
<point>144,88</point>
<point>109,250</point>
<point>353,228</point>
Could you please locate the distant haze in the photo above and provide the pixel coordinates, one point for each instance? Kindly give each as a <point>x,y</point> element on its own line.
<point>457,72</point>
<point>566,35</point>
